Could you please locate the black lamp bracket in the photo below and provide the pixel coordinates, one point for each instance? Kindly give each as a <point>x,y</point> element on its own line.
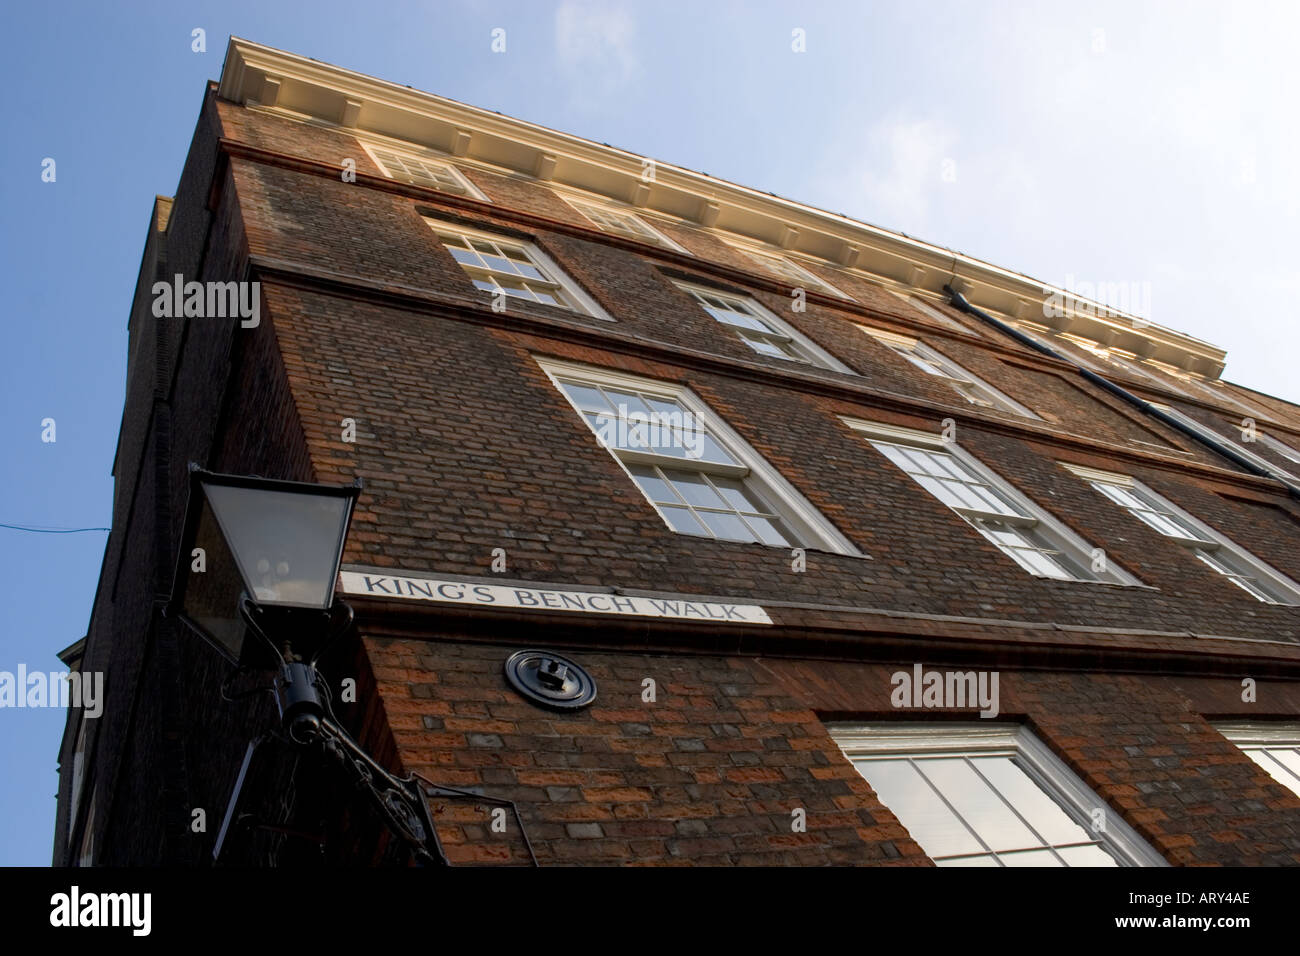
<point>338,619</point>
<point>400,800</point>
<point>307,722</point>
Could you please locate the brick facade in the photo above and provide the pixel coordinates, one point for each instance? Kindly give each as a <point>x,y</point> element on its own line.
<point>465,446</point>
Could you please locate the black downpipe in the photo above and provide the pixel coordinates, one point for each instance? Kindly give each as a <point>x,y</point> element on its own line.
<point>958,301</point>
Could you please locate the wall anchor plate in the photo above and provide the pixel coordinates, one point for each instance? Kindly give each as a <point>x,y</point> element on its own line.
<point>550,680</point>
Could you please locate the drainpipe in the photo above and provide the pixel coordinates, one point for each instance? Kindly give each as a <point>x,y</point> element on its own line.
<point>1221,447</point>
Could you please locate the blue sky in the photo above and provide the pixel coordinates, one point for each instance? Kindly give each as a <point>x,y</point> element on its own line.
<point>1150,143</point>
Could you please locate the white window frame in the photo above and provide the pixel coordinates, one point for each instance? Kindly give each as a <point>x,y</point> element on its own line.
<point>1032,516</point>
<point>1280,448</point>
<point>1219,393</point>
<point>966,384</point>
<point>800,516</point>
<point>1202,386</point>
<point>586,207</point>
<point>1112,358</point>
<point>1255,736</point>
<point>804,349</point>
<point>577,298</point>
<point>932,313</point>
<point>1047,338</point>
<point>427,159</point>
<point>1274,469</point>
<point>1206,538</point>
<point>790,270</point>
<point>1127,362</point>
<point>1096,356</point>
<point>899,739</point>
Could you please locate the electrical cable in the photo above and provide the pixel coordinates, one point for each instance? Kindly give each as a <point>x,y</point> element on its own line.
<point>36,530</point>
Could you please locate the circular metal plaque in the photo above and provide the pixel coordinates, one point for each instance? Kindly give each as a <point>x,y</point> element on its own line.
<point>550,680</point>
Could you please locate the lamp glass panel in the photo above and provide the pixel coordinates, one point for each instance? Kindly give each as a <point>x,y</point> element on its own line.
<point>211,595</point>
<point>287,544</point>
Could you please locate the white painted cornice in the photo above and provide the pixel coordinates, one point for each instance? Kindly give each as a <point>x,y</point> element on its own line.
<point>259,75</point>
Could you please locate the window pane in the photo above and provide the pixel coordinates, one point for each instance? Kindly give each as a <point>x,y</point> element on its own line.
<point>627,400</point>
<point>513,287</point>
<point>895,454</point>
<point>1087,856</point>
<point>695,489</point>
<point>664,406</point>
<point>1254,589</point>
<point>497,263</point>
<point>691,443</point>
<point>941,491</point>
<point>978,805</point>
<point>506,267</point>
<point>971,497</point>
<point>1040,810</point>
<point>680,519</point>
<point>604,425</point>
<point>764,347</point>
<point>1289,759</point>
<point>1276,768</point>
<point>926,462</point>
<point>655,443</point>
<point>947,478</point>
<point>1164,525</point>
<point>726,525</point>
<point>738,496</point>
<point>917,807</point>
<point>1222,563</point>
<point>1037,563</point>
<point>1001,534</point>
<point>586,397</point>
<point>709,448</point>
<point>525,267</point>
<point>741,320</point>
<point>1121,496</point>
<point>1030,858</point>
<point>974,394</point>
<point>986,805</point>
<point>668,445</point>
<point>767,530</point>
<point>944,465</point>
<point>654,486</point>
<point>995,502</point>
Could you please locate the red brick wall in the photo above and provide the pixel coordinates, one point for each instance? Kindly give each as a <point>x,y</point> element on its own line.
<point>710,771</point>
<point>708,774</point>
<point>466,446</point>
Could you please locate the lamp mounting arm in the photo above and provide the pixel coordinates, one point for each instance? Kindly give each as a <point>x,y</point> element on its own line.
<point>400,800</point>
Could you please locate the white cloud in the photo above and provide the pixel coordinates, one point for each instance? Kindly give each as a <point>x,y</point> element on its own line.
<point>595,48</point>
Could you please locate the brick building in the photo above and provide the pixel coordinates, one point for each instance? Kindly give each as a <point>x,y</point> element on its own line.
<point>876,553</point>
